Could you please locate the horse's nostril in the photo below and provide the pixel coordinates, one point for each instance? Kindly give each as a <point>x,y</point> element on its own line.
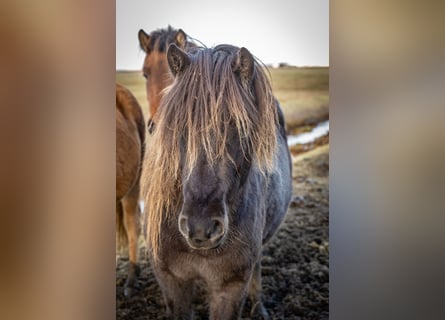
<point>150,126</point>
<point>216,228</point>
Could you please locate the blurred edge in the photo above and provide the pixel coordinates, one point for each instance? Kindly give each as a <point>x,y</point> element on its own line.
<point>57,160</point>
<point>387,77</point>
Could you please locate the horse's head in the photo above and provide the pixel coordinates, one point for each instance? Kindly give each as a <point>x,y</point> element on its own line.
<point>155,68</point>
<point>217,163</point>
<point>216,124</point>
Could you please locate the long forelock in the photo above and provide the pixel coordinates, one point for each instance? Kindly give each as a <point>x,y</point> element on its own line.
<point>202,107</point>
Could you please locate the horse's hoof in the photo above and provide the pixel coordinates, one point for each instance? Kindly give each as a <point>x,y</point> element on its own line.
<point>131,287</point>
<point>129,291</point>
<point>259,312</point>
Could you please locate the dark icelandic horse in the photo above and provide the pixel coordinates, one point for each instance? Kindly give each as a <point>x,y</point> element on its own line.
<point>222,182</point>
<point>155,68</point>
<point>130,139</point>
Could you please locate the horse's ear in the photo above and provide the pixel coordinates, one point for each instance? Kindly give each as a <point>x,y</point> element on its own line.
<point>243,64</point>
<point>177,59</point>
<point>144,40</point>
<point>180,38</point>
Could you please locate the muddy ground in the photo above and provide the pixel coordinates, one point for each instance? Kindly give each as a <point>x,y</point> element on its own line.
<point>295,262</point>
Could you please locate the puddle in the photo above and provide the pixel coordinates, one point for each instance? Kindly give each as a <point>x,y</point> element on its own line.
<point>321,129</point>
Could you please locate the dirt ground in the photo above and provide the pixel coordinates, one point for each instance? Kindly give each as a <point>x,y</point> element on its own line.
<point>295,262</point>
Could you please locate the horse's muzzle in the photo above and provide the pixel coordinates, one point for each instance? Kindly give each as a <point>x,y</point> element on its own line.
<point>202,234</point>
<point>150,126</point>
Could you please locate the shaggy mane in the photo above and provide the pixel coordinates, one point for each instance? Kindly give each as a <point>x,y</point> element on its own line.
<point>203,107</point>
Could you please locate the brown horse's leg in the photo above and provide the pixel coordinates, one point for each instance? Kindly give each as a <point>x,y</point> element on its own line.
<point>121,233</point>
<point>258,311</point>
<point>132,227</point>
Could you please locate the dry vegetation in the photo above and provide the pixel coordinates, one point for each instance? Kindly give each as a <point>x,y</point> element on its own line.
<point>303,94</point>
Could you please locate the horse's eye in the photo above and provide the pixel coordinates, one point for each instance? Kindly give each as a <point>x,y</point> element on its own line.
<point>145,76</point>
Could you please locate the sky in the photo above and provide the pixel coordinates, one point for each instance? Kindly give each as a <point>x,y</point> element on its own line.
<point>291,31</point>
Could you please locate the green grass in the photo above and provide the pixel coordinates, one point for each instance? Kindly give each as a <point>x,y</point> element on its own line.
<point>303,92</point>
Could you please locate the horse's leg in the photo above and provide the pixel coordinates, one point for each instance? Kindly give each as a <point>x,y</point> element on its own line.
<point>132,227</point>
<point>178,295</point>
<point>258,311</point>
<point>227,301</point>
<point>121,236</point>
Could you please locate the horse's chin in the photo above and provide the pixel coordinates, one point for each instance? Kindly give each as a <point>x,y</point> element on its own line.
<point>208,245</point>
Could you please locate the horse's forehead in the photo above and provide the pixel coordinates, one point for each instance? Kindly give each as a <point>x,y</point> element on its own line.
<point>155,60</point>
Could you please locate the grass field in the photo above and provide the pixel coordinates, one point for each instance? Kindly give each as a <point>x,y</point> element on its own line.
<point>303,92</point>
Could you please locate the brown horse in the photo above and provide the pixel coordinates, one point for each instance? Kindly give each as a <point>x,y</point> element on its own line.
<point>130,139</point>
<point>155,68</point>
